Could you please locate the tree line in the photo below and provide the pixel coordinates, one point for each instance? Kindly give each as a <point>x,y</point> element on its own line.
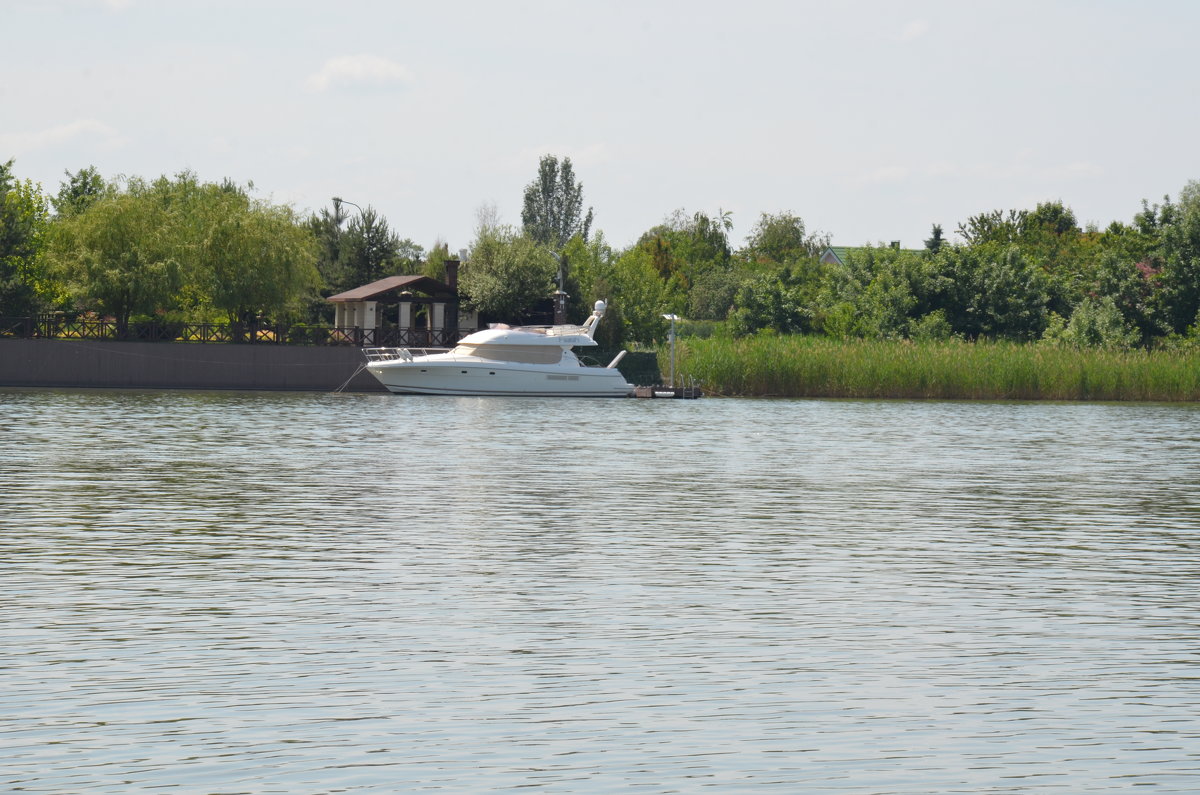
<point>1019,275</point>
<point>182,248</point>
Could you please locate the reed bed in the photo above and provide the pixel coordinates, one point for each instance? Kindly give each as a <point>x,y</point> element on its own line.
<point>821,367</point>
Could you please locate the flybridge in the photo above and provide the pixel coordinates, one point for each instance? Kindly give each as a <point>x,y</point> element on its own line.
<point>533,336</point>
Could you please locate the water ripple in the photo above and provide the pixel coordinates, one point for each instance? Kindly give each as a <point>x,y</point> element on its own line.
<point>238,592</point>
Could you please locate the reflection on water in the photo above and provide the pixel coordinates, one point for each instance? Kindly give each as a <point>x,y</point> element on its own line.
<point>366,593</point>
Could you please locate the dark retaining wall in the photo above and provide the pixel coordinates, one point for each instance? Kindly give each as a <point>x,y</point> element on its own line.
<point>167,365</point>
<point>181,365</point>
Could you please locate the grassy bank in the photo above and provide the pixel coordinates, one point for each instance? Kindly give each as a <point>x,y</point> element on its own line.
<point>819,367</point>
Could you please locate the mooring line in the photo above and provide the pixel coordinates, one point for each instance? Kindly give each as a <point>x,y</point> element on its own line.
<point>361,367</point>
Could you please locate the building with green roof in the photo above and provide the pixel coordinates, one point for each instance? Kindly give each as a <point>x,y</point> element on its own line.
<point>836,255</point>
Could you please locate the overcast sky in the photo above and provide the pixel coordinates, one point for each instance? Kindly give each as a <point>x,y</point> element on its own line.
<point>870,120</point>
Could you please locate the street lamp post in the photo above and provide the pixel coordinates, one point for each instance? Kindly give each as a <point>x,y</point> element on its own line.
<point>671,337</point>
<point>339,200</point>
<point>560,295</point>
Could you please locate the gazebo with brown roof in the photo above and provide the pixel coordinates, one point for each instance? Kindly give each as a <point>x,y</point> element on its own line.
<point>361,311</point>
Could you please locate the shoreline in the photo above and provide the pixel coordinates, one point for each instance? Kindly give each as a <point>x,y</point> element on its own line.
<point>107,364</point>
<point>165,365</point>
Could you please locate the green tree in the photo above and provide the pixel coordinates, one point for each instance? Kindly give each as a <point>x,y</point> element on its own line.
<point>640,297</point>
<point>879,292</point>
<point>179,243</point>
<point>591,278</point>
<point>370,250</point>
<point>79,191</point>
<point>1130,243</point>
<point>1179,280</point>
<point>1154,217</point>
<point>686,248</point>
<point>1053,218</point>
<point>776,286</point>
<point>23,225</point>
<point>1129,285</point>
<point>993,227</point>
<point>506,273</point>
<point>700,241</point>
<point>782,302</point>
<point>552,212</point>
<point>1052,241</point>
<point>119,256</point>
<point>326,227</point>
<point>935,242</point>
<point>256,260</point>
<point>1095,323</point>
<point>990,291</point>
<point>713,293</point>
<point>781,238</point>
<point>435,261</point>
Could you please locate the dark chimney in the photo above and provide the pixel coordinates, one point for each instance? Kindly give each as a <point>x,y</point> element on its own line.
<point>451,331</point>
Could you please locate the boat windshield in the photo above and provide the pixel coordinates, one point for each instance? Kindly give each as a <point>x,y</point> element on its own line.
<point>524,354</point>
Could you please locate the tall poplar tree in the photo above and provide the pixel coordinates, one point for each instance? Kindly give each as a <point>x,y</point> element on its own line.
<point>553,209</point>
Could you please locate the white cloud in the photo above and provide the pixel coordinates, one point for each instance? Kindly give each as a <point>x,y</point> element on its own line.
<point>369,70</point>
<point>1023,166</point>
<point>885,174</point>
<point>914,30</point>
<point>111,6</point>
<point>1078,169</point>
<point>97,131</point>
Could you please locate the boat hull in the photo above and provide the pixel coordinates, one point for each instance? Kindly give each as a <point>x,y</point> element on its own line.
<point>499,379</point>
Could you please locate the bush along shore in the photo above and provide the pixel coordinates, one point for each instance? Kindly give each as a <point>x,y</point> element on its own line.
<point>802,366</point>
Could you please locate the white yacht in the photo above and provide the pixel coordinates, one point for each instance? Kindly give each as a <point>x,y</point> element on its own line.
<point>503,360</point>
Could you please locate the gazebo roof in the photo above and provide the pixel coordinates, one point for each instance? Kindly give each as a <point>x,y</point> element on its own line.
<point>372,291</point>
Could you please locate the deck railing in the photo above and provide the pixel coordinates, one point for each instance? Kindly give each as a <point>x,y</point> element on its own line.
<point>64,328</point>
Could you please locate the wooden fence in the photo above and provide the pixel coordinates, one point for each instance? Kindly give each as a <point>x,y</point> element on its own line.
<point>60,327</point>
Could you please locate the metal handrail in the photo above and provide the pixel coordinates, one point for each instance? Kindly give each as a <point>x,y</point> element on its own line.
<point>555,331</point>
<point>400,354</point>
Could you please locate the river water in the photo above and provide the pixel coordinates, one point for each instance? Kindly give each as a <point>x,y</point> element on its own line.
<point>311,593</point>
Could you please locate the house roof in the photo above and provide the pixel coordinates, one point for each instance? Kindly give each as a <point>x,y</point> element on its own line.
<point>369,292</point>
<point>841,252</point>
